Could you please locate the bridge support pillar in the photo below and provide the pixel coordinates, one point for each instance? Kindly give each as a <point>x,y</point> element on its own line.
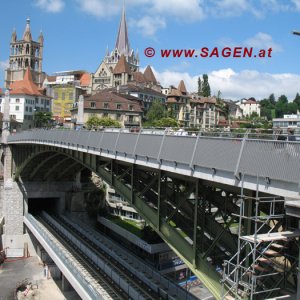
<point>13,238</point>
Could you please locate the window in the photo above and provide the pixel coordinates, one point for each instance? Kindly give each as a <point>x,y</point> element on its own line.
<point>63,95</point>
<point>55,95</point>
<point>36,100</point>
<point>26,108</point>
<point>130,107</point>
<point>119,106</point>
<point>71,95</point>
<point>105,115</point>
<point>17,107</point>
<point>17,100</point>
<point>30,109</point>
<point>118,117</point>
<point>105,105</point>
<point>93,104</point>
<point>42,101</point>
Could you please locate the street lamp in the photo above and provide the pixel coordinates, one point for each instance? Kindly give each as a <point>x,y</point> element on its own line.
<point>296,32</point>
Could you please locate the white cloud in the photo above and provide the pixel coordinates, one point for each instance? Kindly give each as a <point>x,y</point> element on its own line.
<point>188,10</point>
<point>276,5</point>
<point>148,25</point>
<point>297,4</point>
<point>237,85</point>
<point>263,41</point>
<point>232,8</point>
<point>157,13</point>
<point>100,8</point>
<point>53,6</point>
<point>3,65</point>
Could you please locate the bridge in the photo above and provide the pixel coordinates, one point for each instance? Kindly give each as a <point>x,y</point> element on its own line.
<point>205,196</point>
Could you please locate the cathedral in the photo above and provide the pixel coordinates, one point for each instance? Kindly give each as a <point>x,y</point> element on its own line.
<point>25,53</point>
<point>121,66</point>
<point>118,65</point>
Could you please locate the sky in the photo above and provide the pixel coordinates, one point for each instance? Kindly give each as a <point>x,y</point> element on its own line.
<point>78,32</point>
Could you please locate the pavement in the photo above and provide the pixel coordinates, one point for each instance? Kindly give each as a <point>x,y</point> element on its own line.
<point>14,271</point>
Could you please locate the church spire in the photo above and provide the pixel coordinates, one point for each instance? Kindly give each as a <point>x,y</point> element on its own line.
<point>27,33</point>
<point>122,43</point>
<point>14,36</point>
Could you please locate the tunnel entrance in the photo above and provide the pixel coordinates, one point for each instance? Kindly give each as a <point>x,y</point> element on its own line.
<point>50,205</point>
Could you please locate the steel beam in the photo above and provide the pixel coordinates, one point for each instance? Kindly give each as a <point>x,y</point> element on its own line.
<point>195,240</point>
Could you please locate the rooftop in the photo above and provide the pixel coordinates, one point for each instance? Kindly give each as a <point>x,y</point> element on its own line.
<point>25,86</point>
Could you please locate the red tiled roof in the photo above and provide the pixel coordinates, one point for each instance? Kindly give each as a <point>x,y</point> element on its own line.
<point>139,77</point>
<point>85,79</point>
<point>149,76</point>
<point>171,100</point>
<point>182,88</point>
<point>136,88</point>
<point>203,100</point>
<point>25,86</point>
<point>250,102</point>
<point>51,78</point>
<point>112,99</point>
<point>174,93</point>
<point>122,66</point>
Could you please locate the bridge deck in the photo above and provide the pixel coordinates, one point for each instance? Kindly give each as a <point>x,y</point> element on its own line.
<point>273,166</point>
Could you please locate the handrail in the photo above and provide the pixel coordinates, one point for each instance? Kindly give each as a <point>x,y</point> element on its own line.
<point>65,259</point>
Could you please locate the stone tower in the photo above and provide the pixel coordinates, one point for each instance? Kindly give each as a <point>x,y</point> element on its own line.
<point>24,53</point>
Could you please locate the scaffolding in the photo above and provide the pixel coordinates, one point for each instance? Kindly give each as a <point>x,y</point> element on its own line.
<point>262,265</point>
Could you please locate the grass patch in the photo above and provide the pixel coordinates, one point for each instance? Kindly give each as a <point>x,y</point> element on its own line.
<point>128,225</point>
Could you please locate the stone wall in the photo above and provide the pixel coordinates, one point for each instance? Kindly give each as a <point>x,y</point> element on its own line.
<point>13,238</point>
<point>13,209</point>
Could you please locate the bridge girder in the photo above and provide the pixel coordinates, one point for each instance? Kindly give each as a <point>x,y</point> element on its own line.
<point>188,225</point>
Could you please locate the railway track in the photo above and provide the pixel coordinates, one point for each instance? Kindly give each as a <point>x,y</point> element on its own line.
<point>87,267</point>
<point>143,291</point>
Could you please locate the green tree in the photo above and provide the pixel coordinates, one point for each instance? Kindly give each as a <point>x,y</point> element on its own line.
<point>283,99</point>
<point>94,122</point>
<point>254,116</point>
<point>199,86</point>
<point>108,122</point>
<point>205,86</point>
<point>272,99</point>
<point>166,122</point>
<point>157,111</point>
<point>297,100</point>
<point>280,109</point>
<point>292,108</point>
<point>267,107</point>
<point>219,96</point>
<point>42,118</point>
<point>171,112</point>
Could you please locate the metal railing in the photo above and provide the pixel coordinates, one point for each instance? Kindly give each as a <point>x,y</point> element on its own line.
<point>62,255</point>
<point>271,159</point>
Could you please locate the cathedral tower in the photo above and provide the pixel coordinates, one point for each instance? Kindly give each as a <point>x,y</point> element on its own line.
<point>25,53</point>
<point>105,77</point>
